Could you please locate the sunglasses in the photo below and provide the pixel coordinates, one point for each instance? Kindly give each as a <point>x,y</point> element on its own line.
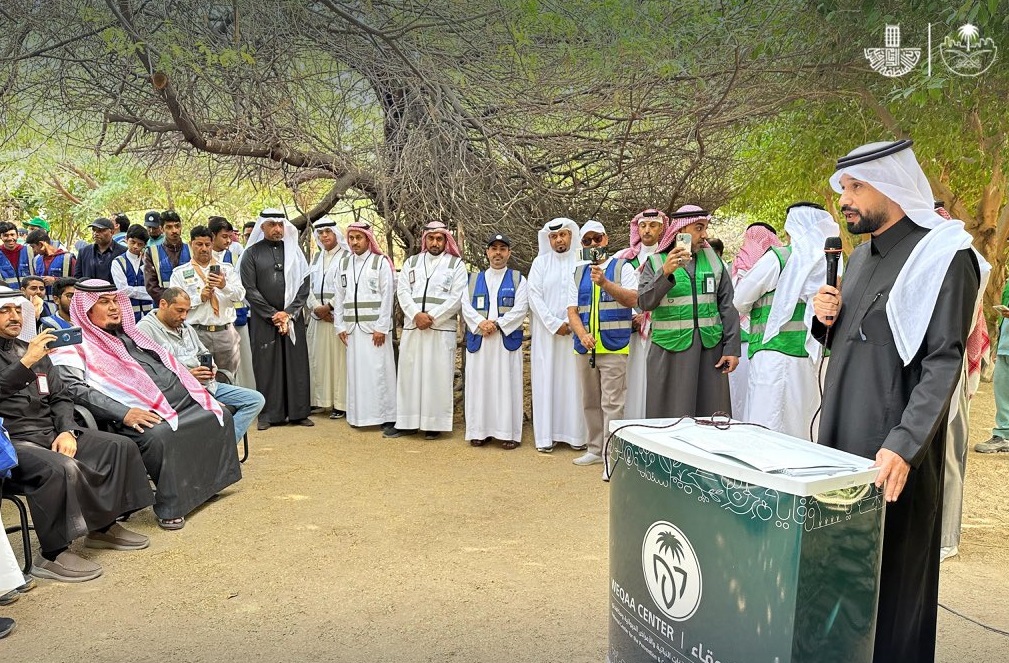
<point>589,240</point>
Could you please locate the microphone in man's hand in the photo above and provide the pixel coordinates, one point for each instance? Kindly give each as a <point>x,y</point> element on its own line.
<point>832,252</point>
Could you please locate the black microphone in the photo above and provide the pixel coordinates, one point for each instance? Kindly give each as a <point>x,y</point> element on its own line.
<point>832,252</point>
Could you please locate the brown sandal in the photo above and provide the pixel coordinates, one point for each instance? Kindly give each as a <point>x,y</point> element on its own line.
<point>509,444</point>
<point>478,443</point>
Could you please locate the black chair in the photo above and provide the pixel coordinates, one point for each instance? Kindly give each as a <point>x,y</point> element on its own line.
<point>223,378</point>
<point>84,417</point>
<point>23,527</point>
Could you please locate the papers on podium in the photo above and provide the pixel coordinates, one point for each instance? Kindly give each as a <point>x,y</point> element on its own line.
<point>752,454</point>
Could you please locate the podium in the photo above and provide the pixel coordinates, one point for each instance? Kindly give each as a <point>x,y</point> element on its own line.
<point>739,545</point>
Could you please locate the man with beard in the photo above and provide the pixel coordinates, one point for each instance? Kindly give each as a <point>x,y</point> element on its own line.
<point>227,250</point>
<point>187,441</point>
<point>166,325</point>
<point>494,312</point>
<point>77,482</point>
<point>601,299</point>
<point>161,259</point>
<point>215,292</point>
<point>94,261</point>
<point>896,330</point>
<point>430,291</point>
<point>275,275</point>
<point>647,228</point>
<point>328,355</point>
<point>557,396</point>
<point>362,318</point>
<point>695,328</point>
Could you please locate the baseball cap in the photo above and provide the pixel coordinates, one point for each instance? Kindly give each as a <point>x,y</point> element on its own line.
<point>499,237</point>
<point>39,222</point>
<point>101,223</point>
<point>152,219</point>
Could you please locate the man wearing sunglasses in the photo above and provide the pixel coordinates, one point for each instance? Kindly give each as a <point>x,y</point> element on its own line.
<point>600,298</point>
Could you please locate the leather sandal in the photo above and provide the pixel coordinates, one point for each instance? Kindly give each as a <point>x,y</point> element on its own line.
<point>171,523</point>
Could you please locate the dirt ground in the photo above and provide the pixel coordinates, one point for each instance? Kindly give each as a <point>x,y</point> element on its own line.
<point>339,545</point>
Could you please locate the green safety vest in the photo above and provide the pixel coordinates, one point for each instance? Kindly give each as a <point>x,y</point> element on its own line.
<point>791,338</point>
<point>689,305</point>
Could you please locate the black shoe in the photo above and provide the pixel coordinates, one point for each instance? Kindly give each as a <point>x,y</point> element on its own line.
<point>303,422</point>
<point>6,626</point>
<point>389,425</point>
<point>337,414</point>
<point>432,435</point>
<point>392,431</point>
<point>263,425</point>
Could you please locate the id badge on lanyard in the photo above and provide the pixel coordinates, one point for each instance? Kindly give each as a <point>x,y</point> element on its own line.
<point>43,383</point>
<point>709,284</point>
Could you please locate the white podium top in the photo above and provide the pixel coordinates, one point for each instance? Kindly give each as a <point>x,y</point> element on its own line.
<point>751,454</point>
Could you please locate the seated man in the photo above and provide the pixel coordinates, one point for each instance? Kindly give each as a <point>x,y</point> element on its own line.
<point>34,290</point>
<point>167,326</point>
<point>77,482</point>
<point>187,441</point>
<point>63,294</point>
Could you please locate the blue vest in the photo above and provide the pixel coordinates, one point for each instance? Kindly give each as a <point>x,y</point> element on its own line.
<point>241,312</point>
<point>135,278</point>
<point>11,276</point>
<point>480,300</point>
<point>614,330</point>
<point>59,267</point>
<point>164,268</point>
<point>55,322</point>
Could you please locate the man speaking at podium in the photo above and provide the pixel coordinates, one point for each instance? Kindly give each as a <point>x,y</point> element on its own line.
<point>896,330</point>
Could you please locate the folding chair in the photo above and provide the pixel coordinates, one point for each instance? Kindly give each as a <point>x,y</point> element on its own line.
<point>224,378</point>
<point>22,527</point>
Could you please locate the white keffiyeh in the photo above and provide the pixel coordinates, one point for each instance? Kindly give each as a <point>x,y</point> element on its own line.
<point>912,299</point>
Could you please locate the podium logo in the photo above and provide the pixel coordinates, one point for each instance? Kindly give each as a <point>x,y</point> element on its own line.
<point>672,572</point>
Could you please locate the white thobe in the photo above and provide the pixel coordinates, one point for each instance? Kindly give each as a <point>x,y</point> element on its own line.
<point>425,398</point>
<point>10,572</point>
<point>371,370</point>
<point>739,379</point>
<point>782,392</point>
<point>493,374</point>
<point>637,358</point>
<point>556,391</point>
<point>327,357</point>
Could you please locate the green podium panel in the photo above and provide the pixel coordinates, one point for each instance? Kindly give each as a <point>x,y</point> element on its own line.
<point>716,561</point>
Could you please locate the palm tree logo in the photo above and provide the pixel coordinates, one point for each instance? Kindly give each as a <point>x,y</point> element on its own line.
<point>669,544</point>
<point>671,569</point>
<point>966,53</point>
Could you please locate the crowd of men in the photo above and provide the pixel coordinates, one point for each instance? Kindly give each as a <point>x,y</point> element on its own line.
<point>662,329</point>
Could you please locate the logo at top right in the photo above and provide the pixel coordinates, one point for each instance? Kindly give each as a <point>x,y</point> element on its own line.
<point>966,53</point>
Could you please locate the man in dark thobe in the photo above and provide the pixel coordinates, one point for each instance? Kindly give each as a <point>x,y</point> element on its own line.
<point>897,333</point>
<point>276,279</point>
<point>77,482</point>
<point>187,441</point>
<point>694,326</point>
